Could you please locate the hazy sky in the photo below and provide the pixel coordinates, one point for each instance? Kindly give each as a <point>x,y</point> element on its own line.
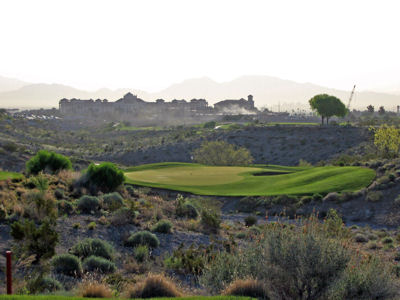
<point>150,44</point>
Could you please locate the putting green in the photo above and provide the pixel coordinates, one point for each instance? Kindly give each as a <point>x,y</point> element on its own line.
<point>257,180</point>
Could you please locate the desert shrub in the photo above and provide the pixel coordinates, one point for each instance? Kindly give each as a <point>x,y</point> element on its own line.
<point>220,153</point>
<point>154,286</point>
<point>39,240</point>
<point>10,147</point>
<point>365,279</point>
<point>95,290</point>
<point>317,197</point>
<point>210,220</point>
<point>249,204</point>
<point>112,201</point>
<point>88,204</point>
<point>185,209</point>
<point>141,253</point>
<point>331,197</point>
<point>47,161</point>
<point>92,225</point>
<point>67,264</point>
<point>96,247</point>
<point>291,259</point>
<point>163,226</point>
<point>122,216</point>
<point>304,163</point>
<point>188,261</point>
<point>360,238</point>
<point>250,221</point>
<point>98,264</point>
<point>210,125</point>
<point>65,207</point>
<point>387,240</point>
<point>105,177</point>
<point>43,285</point>
<point>143,238</point>
<point>246,288</point>
<point>374,196</point>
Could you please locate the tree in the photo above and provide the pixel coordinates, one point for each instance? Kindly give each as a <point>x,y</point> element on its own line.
<point>48,161</point>
<point>381,110</point>
<point>105,177</point>
<point>387,140</point>
<point>370,109</point>
<point>327,106</point>
<point>220,153</point>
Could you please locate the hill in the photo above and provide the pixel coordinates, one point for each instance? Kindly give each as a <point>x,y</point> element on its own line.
<point>267,91</point>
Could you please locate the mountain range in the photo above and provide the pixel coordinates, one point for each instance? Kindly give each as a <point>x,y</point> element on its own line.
<point>267,91</point>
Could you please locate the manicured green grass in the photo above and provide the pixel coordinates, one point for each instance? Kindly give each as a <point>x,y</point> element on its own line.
<point>241,181</point>
<point>48,297</point>
<point>134,128</point>
<point>293,123</point>
<point>9,175</point>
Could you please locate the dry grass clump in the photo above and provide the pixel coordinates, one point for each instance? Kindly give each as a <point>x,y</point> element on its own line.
<point>93,289</point>
<point>246,287</point>
<point>155,285</point>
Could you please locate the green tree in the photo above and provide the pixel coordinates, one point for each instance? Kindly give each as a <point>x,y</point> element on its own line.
<point>387,140</point>
<point>370,108</point>
<point>327,106</point>
<point>220,153</point>
<point>45,161</point>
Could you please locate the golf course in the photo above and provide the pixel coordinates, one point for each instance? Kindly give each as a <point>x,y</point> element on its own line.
<point>255,180</point>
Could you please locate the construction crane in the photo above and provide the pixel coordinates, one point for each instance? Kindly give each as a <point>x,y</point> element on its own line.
<point>351,97</point>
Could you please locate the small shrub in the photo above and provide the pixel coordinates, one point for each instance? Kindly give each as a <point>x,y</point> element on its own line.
<point>112,201</point>
<point>250,221</point>
<point>43,285</point>
<point>98,264</point>
<point>141,253</point>
<point>47,161</point>
<point>387,240</point>
<point>123,216</point>
<point>76,225</point>
<point>317,197</point>
<point>154,286</point>
<point>143,238</point>
<point>92,225</point>
<point>331,197</point>
<point>96,247</point>
<point>95,290</point>
<point>88,204</point>
<point>65,207</point>
<point>163,226</point>
<point>374,196</point>
<point>210,220</point>
<point>67,264</point>
<point>246,288</point>
<point>360,238</point>
<point>105,177</point>
<point>185,208</point>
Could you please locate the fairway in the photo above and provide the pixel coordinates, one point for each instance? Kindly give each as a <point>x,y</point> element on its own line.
<point>9,175</point>
<point>257,180</point>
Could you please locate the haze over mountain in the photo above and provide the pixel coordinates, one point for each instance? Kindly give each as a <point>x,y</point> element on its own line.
<point>267,91</point>
<point>10,84</point>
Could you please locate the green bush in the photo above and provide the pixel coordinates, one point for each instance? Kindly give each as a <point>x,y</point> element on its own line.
<point>112,201</point>
<point>360,238</point>
<point>220,153</point>
<point>210,125</point>
<point>387,240</point>
<point>185,208</point>
<point>123,216</point>
<point>98,264</point>
<point>96,247</point>
<point>43,285</point>
<point>47,161</point>
<point>88,204</point>
<point>210,220</point>
<point>141,253</point>
<point>250,221</point>
<point>143,238</point>
<point>105,177</point>
<point>163,226</point>
<point>32,239</point>
<point>67,264</point>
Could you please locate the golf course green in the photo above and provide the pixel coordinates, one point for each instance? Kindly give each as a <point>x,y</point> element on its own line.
<point>256,180</point>
<point>9,175</point>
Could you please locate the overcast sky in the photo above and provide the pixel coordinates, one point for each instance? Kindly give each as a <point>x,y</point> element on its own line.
<point>151,44</point>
